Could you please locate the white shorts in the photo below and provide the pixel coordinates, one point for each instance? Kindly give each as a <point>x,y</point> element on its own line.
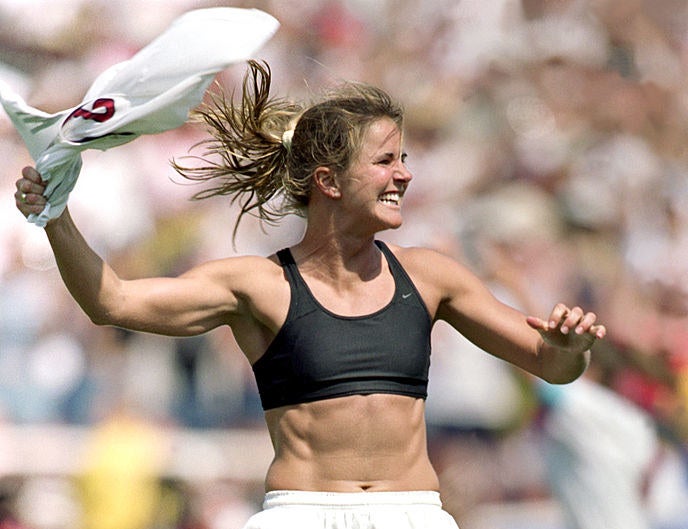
<point>355,510</point>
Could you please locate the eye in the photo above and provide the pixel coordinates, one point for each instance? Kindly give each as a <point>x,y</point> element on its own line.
<point>390,157</point>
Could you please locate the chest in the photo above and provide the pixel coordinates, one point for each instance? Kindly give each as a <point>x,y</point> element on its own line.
<point>318,355</point>
<point>394,341</point>
<point>380,327</point>
<point>354,298</point>
<point>333,345</point>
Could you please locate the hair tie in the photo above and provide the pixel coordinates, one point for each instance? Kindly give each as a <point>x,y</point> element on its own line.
<point>287,135</point>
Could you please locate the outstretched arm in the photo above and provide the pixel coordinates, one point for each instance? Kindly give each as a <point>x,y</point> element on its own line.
<point>555,349</point>
<point>190,304</point>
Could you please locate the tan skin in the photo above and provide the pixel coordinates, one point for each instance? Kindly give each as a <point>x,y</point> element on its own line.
<point>355,443</point>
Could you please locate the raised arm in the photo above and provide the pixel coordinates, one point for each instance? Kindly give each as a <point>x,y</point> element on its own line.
<point>555,349</point>
<point>192,303</point>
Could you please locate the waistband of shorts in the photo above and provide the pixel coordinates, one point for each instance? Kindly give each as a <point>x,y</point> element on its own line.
<point>281,498</point>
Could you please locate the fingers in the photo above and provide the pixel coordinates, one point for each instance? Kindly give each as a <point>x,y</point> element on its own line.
<point>29,195</point>
<point>581,322</point>
<point>31,174</point>
<point>600,331</point>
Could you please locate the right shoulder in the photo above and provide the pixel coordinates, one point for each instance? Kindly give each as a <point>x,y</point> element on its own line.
<point>254,283</point>
<point>262,296</point>
<point>239,274</point>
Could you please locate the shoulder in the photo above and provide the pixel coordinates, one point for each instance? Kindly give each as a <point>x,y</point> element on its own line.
<point>236,266</point>
<point>437,275</point>
<point>240,274</point>
<point>427,263</point>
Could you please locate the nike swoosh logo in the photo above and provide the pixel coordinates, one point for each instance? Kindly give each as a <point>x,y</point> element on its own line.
<point>406,296</point>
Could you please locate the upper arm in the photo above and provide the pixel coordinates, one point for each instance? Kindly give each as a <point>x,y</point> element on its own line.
<point>197,301</point>
<point>461,299</point>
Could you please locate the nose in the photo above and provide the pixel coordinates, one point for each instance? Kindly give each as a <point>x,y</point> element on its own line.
<point>402,174</point>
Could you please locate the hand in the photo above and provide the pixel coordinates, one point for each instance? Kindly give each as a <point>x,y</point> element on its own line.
<point>569,329</point>
<point>30,188</point>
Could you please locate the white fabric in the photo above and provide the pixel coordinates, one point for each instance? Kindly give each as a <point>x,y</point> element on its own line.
<point>598,447</point>
<point>151,92</point>
<point>356,510</point>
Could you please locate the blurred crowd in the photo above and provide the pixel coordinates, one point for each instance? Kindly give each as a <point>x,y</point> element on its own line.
<point>549,144</point>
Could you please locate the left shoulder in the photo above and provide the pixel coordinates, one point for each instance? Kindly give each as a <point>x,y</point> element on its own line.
<point>435,274</point>
<point>425,261</point>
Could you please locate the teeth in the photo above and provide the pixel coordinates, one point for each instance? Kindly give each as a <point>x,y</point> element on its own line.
<point>390,198</point>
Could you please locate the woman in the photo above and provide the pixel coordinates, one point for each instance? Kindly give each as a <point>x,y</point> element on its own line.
<point>337,328</point>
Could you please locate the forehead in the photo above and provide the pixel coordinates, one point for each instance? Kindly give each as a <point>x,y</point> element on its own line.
<point>382,133</point>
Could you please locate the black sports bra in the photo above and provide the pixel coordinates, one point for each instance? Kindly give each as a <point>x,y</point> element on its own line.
<point>320,355</point>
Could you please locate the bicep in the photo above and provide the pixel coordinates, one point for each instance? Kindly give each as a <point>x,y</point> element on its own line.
<point>472,309</point>
<point>192,303</point>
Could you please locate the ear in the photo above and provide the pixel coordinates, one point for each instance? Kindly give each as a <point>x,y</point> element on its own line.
<point>326,181</point>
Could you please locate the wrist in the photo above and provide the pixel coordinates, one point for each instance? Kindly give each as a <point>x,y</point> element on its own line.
<point>560,365</point>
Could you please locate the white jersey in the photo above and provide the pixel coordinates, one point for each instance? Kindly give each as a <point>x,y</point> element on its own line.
<point>151,92</point>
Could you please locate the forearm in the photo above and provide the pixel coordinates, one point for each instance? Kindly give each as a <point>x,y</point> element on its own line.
<point>559,360</point>
<point>88,278</point>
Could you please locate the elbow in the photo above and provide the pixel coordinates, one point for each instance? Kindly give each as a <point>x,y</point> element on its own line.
<point>99,320</point>
<point>100,317</point>
<point>104,310</point>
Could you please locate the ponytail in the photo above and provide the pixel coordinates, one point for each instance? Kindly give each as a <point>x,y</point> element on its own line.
<point>245,156</point>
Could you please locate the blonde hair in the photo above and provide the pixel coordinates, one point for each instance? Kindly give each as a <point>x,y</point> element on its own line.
<point>265,147</point>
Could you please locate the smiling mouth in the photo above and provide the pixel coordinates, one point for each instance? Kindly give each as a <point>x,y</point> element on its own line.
<point>390,199</point>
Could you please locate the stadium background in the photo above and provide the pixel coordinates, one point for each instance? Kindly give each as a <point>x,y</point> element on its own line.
<point>548,142</point>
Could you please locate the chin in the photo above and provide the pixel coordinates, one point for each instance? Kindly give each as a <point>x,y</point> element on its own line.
<point>394,224</point>
<point>388,219</point>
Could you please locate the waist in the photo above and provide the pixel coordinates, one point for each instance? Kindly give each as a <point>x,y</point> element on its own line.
<point>283,498</point>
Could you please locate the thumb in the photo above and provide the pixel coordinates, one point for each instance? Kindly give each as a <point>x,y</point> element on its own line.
<point>537,323</point>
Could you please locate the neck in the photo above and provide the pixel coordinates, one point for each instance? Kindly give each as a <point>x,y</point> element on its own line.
<point>337,255</point>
